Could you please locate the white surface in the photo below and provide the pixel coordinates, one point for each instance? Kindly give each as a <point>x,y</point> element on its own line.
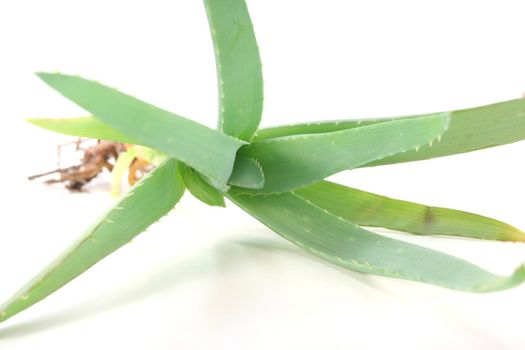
<point>210,278</point>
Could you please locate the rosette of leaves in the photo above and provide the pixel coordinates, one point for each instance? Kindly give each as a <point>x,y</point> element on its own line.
<point>277,174</point>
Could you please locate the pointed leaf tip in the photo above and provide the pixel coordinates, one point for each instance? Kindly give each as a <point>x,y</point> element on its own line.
<point>296,161</point>
<point>239,68</point>
<point>155,195</point>
<point>372,210</point>
<point>88,127</point>
<point>343,243</point>
<point>208,151</point>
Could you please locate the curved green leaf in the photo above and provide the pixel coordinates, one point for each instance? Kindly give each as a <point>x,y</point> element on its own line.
<point>239,72</point>
<point>210,152</point>
<point>247,173</point>
<point>147,202</point>
<point>200,189</point>
<point>317,127</point>
<point>300,160</point>
<point>369,209</point>
<point>122,164</point>
<point>470,129</point>
<point>342,243</point>
<point>88,127</point>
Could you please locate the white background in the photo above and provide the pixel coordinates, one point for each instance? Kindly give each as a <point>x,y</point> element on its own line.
<point>213,278</point>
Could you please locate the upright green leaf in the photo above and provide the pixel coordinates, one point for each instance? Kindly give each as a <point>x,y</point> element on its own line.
<point>300,160</point>
<point>470,129</point>
<point>147,202</point>
<point>124,160</point>
<point>369,209</point>
<point>342,243</point>
<point>239,72</point>
<point>210,152</point>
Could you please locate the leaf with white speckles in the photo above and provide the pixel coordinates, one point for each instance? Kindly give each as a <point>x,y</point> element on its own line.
<point>239,68</point>
<point>296,161</point>
<point>210,152</point>
<point>153,197</point>
<point>342,243</point>
<point>470,130</point>
<point>247,173</point>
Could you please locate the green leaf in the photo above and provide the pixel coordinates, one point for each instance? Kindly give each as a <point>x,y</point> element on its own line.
<point>342,243</point>
<point>473,129</point>
<point>210,152</point>
<point>247,173</point>
<point>470,130</point>
<point>122,164</point>
<point>88,127</point>
<point>300,160</point>
<point>317,127</point>
<point>147,202</point>
<point>151,155</point>
<point>368,209</point>
<point>239,72</point>
<point>200,189</point>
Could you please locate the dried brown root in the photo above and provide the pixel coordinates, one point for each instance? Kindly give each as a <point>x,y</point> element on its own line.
<point>96,158</point>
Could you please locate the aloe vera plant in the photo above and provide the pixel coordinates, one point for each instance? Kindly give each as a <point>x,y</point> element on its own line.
<point>277,175</point>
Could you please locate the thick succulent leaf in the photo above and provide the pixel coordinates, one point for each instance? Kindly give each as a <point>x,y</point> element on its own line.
<point>297,161</point>
<point>369,209</point>
<point>317,127</point>
<point>88,127</point>
<point>239,70</point>
<point>200,189</point>
<point>345,244</point>
<point>122,164</point>
<point>210,152</point>
<point>470,129</point>
<point>473,129</point>
<point>147,202</point>
<point>247,173</point>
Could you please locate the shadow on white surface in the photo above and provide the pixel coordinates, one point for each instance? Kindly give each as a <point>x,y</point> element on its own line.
<point>215,261</point>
